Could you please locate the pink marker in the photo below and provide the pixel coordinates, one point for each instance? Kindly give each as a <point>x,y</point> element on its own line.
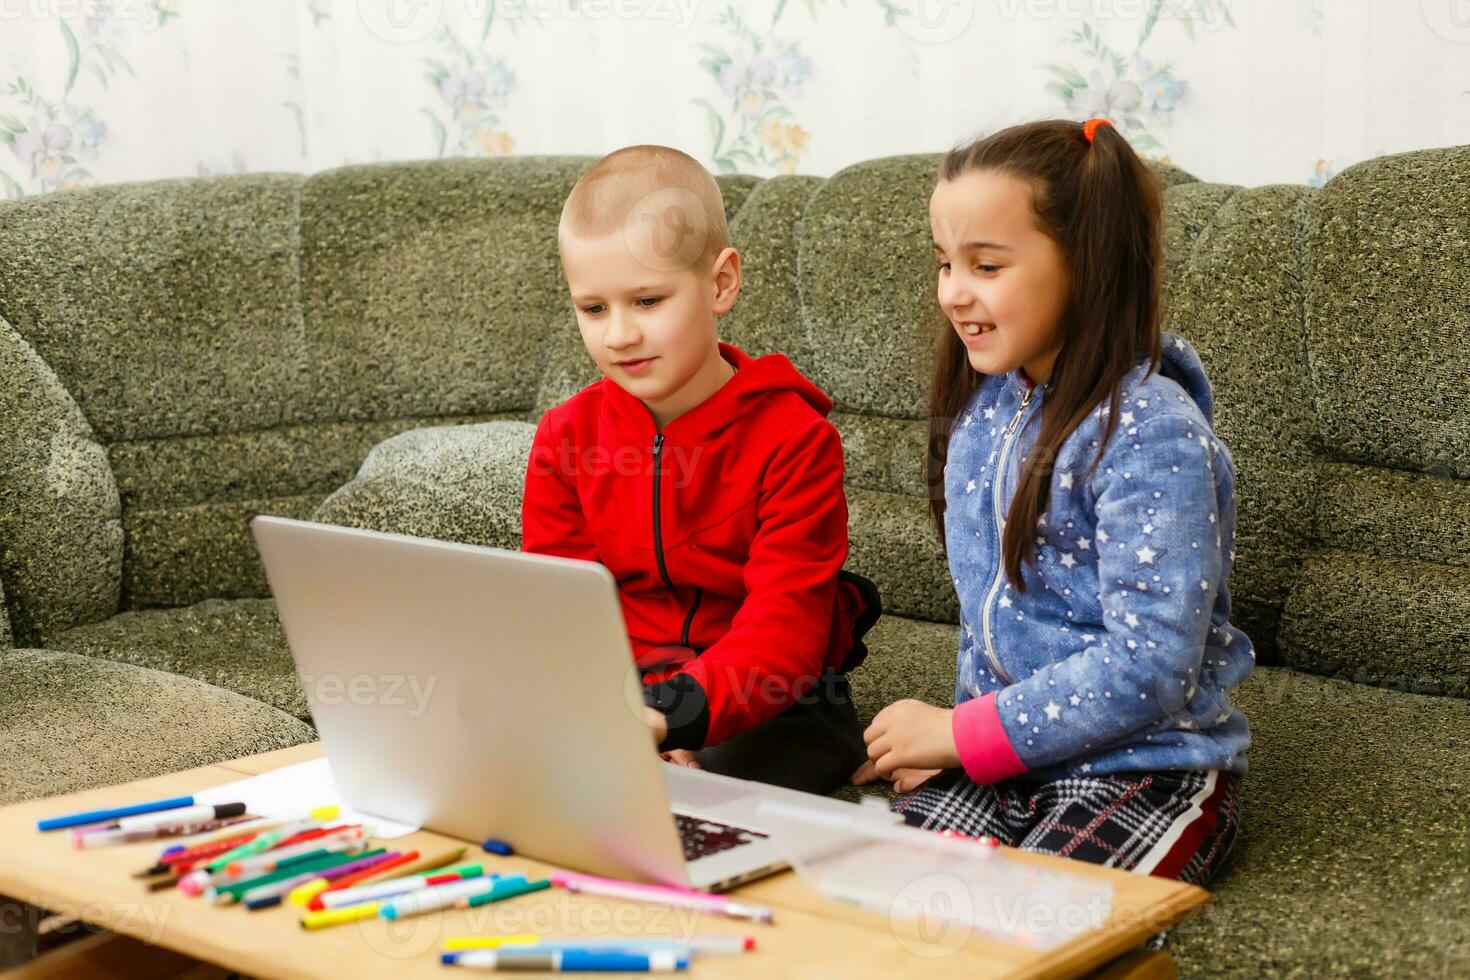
<point>662,895</point>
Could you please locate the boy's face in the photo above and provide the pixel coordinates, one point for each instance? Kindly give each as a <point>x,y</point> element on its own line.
<point>1002,280</point>
<point>652,331</point>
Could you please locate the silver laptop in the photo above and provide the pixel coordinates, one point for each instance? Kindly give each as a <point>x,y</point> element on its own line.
<point>492,694</point>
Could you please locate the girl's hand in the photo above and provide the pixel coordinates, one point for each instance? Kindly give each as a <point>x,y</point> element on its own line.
<point>910,734</point>
<point>904,780</point>
<point>681,757</point>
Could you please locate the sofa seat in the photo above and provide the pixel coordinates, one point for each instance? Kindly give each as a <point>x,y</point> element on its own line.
<point>73,722</point>
<point>1354,855</point>
<point>235,644</point>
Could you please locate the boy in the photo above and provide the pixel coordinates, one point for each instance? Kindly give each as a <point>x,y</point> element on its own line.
<point>707,481</point>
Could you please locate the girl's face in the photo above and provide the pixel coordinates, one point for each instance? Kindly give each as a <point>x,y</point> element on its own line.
<point>1002,280</point>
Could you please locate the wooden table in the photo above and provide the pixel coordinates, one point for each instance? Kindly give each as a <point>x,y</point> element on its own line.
<point>811,937</point>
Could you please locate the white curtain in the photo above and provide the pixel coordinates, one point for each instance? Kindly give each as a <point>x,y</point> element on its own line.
<point>1244,91</point>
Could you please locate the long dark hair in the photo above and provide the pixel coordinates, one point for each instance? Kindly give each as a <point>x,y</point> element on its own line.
<point>1100,203</point>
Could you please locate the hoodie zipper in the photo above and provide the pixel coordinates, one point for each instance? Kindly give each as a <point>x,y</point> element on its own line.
<point>658,541</point>
<point>1000,469</point>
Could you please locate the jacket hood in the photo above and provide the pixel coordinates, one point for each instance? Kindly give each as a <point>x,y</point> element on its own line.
<point>755,378</point>
<point>1179,363</point>
<point>1182,365</point>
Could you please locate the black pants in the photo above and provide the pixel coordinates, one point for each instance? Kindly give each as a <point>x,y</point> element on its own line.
<point>814,745</point>
<point>817,743</point>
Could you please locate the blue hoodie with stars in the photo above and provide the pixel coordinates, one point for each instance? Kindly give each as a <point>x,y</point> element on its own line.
<point>1120,655</point>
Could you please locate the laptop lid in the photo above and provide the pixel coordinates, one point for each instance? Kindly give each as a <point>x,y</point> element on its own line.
<point>468,690</point>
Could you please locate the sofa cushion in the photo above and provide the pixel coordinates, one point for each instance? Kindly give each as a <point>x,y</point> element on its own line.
<point>74,722</point>
<point>1355,837</point>
<point>460,483</point>
<point>61,543</point>
<point>1235,291</point>
<point>235,644</point>
<point>187,501</point>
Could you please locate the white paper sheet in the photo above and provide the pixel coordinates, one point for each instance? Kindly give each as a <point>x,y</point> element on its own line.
<point>293,792</point>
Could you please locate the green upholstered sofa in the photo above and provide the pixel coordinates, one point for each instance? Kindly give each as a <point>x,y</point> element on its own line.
<point>371,345</point>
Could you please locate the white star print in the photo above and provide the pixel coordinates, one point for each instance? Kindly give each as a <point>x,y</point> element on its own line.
<point>1131,620</point>
<point>1083,544</point>
<point>1053,711</point>
<point>1067,559</point>
<point>1146,555</point>
<point>1005,602</point>
<point>989,414</point>
<point>1066,481</point>
<point>1126,418</point>
<point>1087,767</point>
<point>970,487</point>
<point>1074,700</point>
<point>1023,718</point>
<point>1102,536</point>
<point>1148,528</point>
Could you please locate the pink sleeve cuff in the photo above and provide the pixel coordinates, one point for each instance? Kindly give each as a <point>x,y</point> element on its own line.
<point>984,748</point>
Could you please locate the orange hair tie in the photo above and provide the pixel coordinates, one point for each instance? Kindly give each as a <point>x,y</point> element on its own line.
<point>1089,128</point>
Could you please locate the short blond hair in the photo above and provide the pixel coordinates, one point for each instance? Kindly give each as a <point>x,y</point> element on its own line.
<point>654,187</point>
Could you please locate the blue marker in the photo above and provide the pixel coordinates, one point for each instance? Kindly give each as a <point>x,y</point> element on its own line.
<point>117,813</point>
<point>497,847</point>
<point>569,961</point>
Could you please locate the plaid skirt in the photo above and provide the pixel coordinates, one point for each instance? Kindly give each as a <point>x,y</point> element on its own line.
<point>1178,825</point>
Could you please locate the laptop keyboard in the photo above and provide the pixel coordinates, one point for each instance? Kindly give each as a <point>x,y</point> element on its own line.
<point>705,837</point>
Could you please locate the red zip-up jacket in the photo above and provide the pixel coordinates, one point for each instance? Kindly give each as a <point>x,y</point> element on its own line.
<point>726,532</point>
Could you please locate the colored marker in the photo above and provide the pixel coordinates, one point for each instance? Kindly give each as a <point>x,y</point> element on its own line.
<point>188,814</point>
<point>336,840</point>
<point>708,944</point>
<point>302,894</point>
<point>114,813</point>
<point>663,895</point>
<point>103,838</point>
<point>435,897</point>
<point>506,888</point>
<point>268,896</point>
<point>337,917</point>
<point>500,847</point>
<point>569,961</point>
<point>227,894</point>
<point>398,886</point>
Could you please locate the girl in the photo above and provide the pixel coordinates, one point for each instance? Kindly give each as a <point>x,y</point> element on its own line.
<point>1088,517</point>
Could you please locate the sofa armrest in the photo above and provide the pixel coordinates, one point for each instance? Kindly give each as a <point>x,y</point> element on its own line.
<point>452,483</point>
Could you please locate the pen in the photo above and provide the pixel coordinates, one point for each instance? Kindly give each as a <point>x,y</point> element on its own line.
<point>501,890</point>
<point>188,814</point>
<point>435,897</point>
<point>268,896</point>
<point>569,961</point>
<point>395,886</point>
<point>100,838</point>
<point>717,944</point>
<point>663,895</point>
<point>114,813</point>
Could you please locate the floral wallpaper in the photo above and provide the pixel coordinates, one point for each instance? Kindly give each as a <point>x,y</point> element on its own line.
<point>1245,91</point>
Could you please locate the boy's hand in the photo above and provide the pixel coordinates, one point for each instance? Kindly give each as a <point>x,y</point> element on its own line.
<point>680,757</point>
<point>910,734</point>
<point>904,780</point>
